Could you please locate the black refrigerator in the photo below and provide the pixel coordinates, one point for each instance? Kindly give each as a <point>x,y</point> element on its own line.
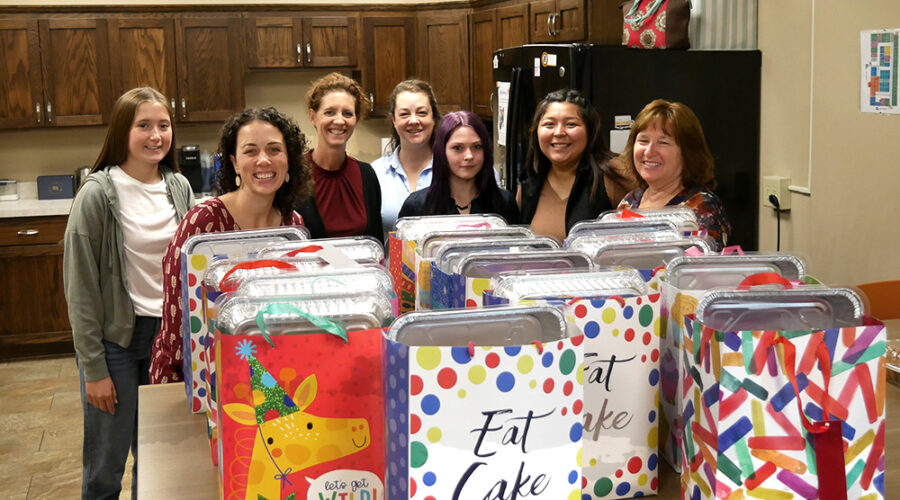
<point>721,86</point>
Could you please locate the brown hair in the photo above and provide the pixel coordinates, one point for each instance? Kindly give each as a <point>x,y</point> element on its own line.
<point>336,82</point>
<point>678,121</point>
<point>416,87</point>
<point>115,147</point>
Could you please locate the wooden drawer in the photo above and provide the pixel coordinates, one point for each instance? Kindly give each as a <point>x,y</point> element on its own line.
<point>32,230</point>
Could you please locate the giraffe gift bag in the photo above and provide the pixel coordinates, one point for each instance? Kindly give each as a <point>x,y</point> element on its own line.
<point>301,402</point>
<point>483,403</point>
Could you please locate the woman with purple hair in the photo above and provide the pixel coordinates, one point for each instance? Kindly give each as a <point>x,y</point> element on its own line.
<point>463,180</point>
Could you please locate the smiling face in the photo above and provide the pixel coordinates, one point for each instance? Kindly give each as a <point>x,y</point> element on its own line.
<point>150,136</point>
<point>562,135</point>
<point>260,158</point>
<point>657,157</point>
<point>465,153</point>
<point>335,119</point>
<point>413,118</point>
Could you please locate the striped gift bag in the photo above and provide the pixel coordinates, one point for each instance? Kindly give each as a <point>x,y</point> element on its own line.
<point>724,24</point>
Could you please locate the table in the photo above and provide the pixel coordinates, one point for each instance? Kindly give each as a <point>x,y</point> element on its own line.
<point>173,450</point>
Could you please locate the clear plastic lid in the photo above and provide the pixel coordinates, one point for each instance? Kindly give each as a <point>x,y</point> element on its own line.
<point>704,272</point>
<point>243,242</point>
<point>591,243</point>
<point>430,242</point>
<point>646,255</point>
<point>327,281</point>
<point>238,270</point>
<point>487,264</point>
<point>357,311</point>
<point>684,218</point>
<point>413,228</point>
<point>799,308</point>
<point>358,248</point>
<point>498,326</point>
<point>450,253</point>
<point>552,284</point>
<point>604,228</point>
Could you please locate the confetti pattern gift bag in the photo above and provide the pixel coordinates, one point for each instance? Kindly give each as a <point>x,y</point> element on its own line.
<point>744,433</point>
<point>485,421</point>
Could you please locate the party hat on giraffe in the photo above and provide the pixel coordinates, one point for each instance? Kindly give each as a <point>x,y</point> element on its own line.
<point>269,399</point>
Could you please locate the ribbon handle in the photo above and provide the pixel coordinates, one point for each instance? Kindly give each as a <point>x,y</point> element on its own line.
<point>627,213</point>
<point>733,249</point>
<point>325,324</point>
<point>225,286</point>
<point>764,279</point>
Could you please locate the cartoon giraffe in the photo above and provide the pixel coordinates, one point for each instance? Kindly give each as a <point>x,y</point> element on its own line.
<point>287,438</point>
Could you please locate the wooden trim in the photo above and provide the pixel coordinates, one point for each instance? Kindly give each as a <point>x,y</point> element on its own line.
<point>248,7</point>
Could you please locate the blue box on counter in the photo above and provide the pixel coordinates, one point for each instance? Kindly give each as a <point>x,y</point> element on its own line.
<point>55,187</point>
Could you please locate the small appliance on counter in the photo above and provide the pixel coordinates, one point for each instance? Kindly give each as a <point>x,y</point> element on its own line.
<point>81,174</point>
<point>189,162</point>
<point>55,187</point>
<point>9,190</point>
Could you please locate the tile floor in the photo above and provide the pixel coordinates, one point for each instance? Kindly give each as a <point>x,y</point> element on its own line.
<point>41,430</point>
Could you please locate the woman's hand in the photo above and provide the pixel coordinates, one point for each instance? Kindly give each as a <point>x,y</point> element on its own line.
<point>102,394</point>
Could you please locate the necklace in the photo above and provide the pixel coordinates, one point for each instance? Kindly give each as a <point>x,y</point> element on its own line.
<point>463,207</point>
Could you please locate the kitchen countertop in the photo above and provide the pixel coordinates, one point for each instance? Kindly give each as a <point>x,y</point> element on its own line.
<point>28,205</point>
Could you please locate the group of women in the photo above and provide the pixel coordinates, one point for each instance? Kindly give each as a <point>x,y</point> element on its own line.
<point>134,211</point>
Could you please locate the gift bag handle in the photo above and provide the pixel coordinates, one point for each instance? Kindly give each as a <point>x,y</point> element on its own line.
<point>627,213</point>
<point>281,308</point>
<point>733,249</point>
<point>253,264</point>
<point>651,9</point>
<point>825,364</point>
<point>306,249</point>
<point>764,279</point>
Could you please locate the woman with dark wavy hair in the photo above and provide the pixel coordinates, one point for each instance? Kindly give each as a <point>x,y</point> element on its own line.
<point>263,174</point>
<point>569,172</point>
<point>463,180</point>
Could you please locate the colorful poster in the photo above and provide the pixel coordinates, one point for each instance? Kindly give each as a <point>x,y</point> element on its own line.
<point>878,57</point>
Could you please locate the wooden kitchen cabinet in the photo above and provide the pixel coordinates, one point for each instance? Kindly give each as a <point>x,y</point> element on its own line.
<point>557,21</point>
<point>512,26</point>
<point>21,88</point>
<point>33,308</point>
<point>330,41</point>
<point>277,40</point>
<point>491,30</point>
<point>390,57</point>
<point>442,55</point>
<point>145,54</point>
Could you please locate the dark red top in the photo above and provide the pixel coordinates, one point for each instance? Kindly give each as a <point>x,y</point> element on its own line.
<point>339,198</point>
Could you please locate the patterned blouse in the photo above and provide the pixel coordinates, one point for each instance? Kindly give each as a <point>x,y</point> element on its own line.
<point>209,216</point>
<point>708,207</point>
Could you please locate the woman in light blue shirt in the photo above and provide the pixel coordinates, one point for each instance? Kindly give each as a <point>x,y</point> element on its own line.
<point>406,166</point>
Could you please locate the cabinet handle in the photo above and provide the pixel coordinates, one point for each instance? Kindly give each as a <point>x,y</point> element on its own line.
<point>555,24</point>
<point>183,108</point>
<point>28,232</point>
<point>49,112</point>
<point>37,111</point>
<point>299,53</point>
<point>172,104</point>
<point>308,53</point>
<point>371,102</point>
<point>550,24</point>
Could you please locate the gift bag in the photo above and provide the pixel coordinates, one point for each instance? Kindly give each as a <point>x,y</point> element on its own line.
<point>784,414</point>
<point>656,24</point>
<point>485,421</point>
<point>301,413</point>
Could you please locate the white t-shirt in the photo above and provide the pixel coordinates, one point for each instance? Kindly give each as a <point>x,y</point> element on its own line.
<point>148,221</point>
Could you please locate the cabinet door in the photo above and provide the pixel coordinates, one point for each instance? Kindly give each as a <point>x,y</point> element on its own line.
<point>512,26</point>
<point>483,43</point>
<point>21,94</point>
<point>570,21</point>
<point>442,56</point>
<point>541,21</point>
<point>144,55</point>
<point>75,64</point>
<point>330,41</point>
<point>389,59</point>
<point>273,41</point>
<point>210,75</point>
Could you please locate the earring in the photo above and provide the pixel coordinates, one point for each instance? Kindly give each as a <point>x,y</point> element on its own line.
<point>287,177</point>
<point>237,180</point>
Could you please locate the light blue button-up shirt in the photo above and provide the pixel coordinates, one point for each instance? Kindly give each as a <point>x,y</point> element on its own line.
<point>395,186</point>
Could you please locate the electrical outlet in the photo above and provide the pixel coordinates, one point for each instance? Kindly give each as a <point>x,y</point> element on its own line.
<point>773,184</point>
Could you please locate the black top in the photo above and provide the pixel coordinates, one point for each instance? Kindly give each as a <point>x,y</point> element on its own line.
<point>579,206</point>
<point>504,206</point>
<point>371,197</point>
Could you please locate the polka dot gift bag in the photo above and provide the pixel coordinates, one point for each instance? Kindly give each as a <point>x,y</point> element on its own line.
<point>484,403</point>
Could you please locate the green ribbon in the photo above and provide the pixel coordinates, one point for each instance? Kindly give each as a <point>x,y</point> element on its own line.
<point>283,308</point>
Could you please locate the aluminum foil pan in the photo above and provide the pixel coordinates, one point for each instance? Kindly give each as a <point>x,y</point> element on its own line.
<point>448,255</point>
<point>519,285</point>
<point>704,272</point>
<point>217,270</point>
<point>430,242</point>
<point>647,255</point>
<point>591,243</point>
<point>414,228</point>
<point>683,217</point>
<point>487,264</point>
<point>245,242</point>
<point>358,248</point>
<point>357,311</point>
<point>630,226</point>
<point>324,281</point>
<point>497,326</point>
<point>803,308</point>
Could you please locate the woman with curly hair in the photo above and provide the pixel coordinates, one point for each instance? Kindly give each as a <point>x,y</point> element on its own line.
<point>263,175</point>
<point>347,197</point>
